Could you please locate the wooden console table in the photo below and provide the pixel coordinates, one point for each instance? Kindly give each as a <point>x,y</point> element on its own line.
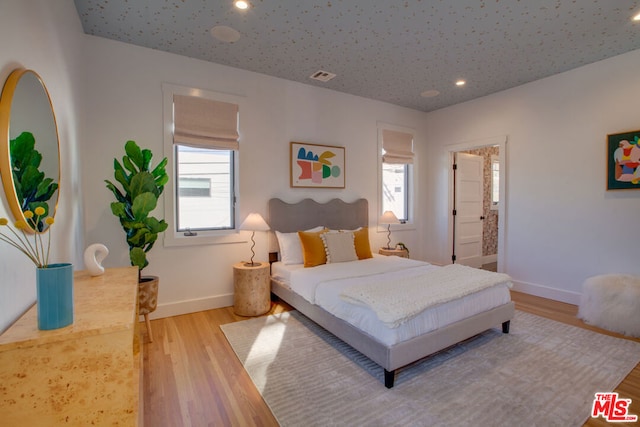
<point>87,373</point>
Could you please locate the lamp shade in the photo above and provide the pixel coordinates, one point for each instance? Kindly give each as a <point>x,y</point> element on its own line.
<point>254,222</point>
<point>389,217</point>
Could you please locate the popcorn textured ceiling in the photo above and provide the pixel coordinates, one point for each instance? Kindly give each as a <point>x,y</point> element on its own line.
<point>388,50</point>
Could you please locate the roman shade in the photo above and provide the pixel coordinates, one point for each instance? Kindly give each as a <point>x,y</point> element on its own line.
<point>205,123</point>
<point>397,146</point>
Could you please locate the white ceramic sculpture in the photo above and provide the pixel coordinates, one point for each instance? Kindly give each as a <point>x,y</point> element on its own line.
<point>93,257</point>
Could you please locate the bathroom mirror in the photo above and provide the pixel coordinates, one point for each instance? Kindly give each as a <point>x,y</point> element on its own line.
<point>29,146</point>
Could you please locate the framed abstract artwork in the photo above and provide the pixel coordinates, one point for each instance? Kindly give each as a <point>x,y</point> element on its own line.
<point>316,166</point>
<point>623,161</point>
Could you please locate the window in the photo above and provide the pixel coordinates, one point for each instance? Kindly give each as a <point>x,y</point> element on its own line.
<point>495,182</point>
<point>394,189</point>
<point>397,171</point>
<point>205,188</point>
<point>201,143</point>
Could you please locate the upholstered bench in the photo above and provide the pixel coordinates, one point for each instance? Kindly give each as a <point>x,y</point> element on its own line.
<point>612,302</point>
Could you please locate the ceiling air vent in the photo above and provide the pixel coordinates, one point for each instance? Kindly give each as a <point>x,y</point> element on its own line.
<point>323,76</point>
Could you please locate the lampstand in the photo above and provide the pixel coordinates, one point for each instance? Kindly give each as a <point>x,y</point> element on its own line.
<point>254,222</point>
<point>388,218</point>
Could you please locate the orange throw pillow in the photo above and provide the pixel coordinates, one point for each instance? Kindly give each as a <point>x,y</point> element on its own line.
<point>313,252</point>
<point>363,248</point>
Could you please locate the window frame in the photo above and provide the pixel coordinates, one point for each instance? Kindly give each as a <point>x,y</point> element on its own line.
<point>173,237</point>
<point>407,184</point>
<point>231,206</point>
<point>411,178</point>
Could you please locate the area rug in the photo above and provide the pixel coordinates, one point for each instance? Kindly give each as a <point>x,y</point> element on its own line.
<point>542,373</point>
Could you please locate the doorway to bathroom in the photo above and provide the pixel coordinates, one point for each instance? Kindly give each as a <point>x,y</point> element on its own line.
<point>477,201</point>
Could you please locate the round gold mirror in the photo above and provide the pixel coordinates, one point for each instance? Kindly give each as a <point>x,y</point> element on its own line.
<point>29,147</point>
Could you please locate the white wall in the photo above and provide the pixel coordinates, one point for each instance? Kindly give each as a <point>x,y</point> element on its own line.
<point>562,226</point>
<point>44,36</point>
<point>123,100</point>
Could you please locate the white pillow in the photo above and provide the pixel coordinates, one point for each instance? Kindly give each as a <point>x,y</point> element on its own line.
<point>340,247</point>
<point>290,247</point>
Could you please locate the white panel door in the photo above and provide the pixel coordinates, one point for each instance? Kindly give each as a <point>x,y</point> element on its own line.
<point>469,211</point>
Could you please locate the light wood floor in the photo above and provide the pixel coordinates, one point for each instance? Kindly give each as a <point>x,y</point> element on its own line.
<point>193,378</point>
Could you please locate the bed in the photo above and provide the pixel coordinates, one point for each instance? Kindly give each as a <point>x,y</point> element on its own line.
<point>324,292</point>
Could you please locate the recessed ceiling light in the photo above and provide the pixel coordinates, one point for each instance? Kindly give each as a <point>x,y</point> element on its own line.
<point>241,4</point>
<point>461,83</point>
<point>637,17</point>
<point>225,34</point>
<point>430,93</point>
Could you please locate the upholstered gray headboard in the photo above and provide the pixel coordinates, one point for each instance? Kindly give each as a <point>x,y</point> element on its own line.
<point>307,213</point>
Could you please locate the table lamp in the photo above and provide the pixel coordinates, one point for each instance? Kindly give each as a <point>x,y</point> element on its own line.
<point>388,218</point>
<point>254,222</point>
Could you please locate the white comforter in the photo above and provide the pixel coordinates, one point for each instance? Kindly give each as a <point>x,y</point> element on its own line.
<point>305,281</point>
<point>322,285</point>
<point>396,302</point>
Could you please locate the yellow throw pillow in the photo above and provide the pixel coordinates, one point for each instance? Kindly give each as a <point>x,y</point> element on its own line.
<point>363,248</point>
<point>313,252</point>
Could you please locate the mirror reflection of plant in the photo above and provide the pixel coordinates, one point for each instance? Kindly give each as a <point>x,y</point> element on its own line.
<point>33,188</point>
<point>36,251</point>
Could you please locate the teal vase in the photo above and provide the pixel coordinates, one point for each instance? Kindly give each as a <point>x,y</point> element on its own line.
<point>55,296</point>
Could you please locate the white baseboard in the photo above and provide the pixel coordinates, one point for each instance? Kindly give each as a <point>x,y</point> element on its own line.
<point>547,292</point>
<point>487,259</point>
<point>191,306</point>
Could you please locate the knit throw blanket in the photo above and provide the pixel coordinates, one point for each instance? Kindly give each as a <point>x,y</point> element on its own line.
<point>396,302</point>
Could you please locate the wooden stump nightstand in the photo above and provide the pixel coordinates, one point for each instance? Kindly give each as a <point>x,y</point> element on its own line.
<point>395,252</point>
<point>252,289</point>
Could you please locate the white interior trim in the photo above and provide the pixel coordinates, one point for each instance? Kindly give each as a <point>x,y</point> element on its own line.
<point>555,294</point>
<point>501,142</point>
<point>192,306</point>
<point>486,259</point>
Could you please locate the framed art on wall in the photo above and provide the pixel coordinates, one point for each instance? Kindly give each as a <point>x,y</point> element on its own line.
<point>623,161</point>
<point>316,166</point>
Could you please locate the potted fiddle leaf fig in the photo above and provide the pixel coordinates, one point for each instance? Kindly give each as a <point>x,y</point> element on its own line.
<point>140,187</point>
